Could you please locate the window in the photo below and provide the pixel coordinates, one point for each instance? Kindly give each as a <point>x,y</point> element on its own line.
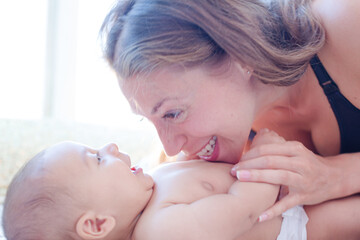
<point>22,59</point>
<point>52,65</point>
<point>94,79</point>
<point>55,85</point>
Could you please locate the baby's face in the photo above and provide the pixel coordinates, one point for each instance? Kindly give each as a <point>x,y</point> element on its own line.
<point>102,179</point>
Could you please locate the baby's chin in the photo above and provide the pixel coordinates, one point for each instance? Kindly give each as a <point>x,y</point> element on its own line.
<point>150,180</point>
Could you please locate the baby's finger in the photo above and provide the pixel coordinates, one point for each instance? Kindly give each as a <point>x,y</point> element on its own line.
<point>278,208</point>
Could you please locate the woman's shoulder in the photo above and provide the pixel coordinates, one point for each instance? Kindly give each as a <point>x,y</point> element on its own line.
<point>341,53</point>
<point>341,21</point>
<point>334,13</point>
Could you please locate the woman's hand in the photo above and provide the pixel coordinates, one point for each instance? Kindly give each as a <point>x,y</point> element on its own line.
<point>310,178</point>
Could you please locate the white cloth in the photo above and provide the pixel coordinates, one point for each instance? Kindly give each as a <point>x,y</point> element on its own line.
<point>2,237</point>
<point>293,226</point>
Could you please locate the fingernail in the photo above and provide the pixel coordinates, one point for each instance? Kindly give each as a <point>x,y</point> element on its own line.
<point>243,175</point>
<point>234,170</point>
<point>263,217</point>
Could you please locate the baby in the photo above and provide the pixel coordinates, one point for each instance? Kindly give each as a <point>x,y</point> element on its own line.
<point>71,191</point>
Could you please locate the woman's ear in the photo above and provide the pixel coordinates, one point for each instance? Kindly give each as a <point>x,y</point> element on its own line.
<point>93,226</point>
<point>246,71</point>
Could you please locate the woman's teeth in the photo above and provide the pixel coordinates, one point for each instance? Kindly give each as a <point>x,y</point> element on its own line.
<point>209,148</point>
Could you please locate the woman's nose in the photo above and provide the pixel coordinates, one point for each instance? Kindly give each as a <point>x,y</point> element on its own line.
<point>172,141</point>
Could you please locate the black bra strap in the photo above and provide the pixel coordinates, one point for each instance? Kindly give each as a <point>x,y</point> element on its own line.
<point>328,85</point>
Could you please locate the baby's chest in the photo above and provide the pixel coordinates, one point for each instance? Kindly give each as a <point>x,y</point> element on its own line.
<point>189,186</point>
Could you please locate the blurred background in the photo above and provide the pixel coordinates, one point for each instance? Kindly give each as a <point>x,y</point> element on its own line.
<point>55,85</point>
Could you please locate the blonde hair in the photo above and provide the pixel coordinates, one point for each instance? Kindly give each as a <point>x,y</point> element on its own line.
<point>275,38</point>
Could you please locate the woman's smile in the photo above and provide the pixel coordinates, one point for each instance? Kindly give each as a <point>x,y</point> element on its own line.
<point>208,151</point>
<point>177,103</point>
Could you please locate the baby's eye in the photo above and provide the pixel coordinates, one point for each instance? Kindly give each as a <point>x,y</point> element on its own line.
<point>173,114</point>
<point>98,158</point>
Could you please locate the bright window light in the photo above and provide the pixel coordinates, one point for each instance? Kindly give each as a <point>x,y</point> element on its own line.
<point>22,58</point>
<point>98,97</point>
<point>52,65</point>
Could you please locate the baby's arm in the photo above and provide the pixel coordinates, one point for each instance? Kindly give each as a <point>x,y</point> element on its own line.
<point>220,216</point>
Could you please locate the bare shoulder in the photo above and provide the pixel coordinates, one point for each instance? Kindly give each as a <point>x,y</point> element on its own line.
<point>341,52</point>
<point>341,21</point>
<point>339,15</point>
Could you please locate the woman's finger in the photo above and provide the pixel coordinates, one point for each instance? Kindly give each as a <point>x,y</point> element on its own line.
<point>278,208</point>
<point>271,162</point>
<point>278,177</point>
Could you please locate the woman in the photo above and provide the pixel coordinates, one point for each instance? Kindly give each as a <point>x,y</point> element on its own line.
<point>207,72</point>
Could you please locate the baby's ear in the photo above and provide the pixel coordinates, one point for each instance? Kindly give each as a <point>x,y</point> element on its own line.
<point>93,226</point>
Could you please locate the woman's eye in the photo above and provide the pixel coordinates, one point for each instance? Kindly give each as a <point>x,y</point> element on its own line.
<point>173,114</point>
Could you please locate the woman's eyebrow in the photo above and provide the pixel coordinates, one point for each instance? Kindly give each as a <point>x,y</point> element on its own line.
<point>159,104</point>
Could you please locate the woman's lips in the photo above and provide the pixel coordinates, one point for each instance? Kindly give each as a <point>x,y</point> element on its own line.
<point>210,151</point>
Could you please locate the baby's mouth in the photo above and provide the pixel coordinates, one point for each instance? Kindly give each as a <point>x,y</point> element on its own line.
<point>208,150</point>
<point>136,170</point>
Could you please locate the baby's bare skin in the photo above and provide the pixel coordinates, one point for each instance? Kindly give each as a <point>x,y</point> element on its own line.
<point>188,181</point>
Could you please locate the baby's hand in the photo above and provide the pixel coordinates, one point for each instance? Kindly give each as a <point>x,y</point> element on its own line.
<point>266,136</point>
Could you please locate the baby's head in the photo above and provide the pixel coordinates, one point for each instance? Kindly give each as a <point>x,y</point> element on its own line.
<point>71,191</point>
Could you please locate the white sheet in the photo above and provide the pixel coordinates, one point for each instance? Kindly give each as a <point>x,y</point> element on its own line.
<point>1,231</point>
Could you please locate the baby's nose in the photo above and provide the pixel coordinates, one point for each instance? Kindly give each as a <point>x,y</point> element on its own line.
<point>110,148</point>
<point>125,157</point>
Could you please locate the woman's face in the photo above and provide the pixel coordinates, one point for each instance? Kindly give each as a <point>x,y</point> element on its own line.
<point>204,115</point>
